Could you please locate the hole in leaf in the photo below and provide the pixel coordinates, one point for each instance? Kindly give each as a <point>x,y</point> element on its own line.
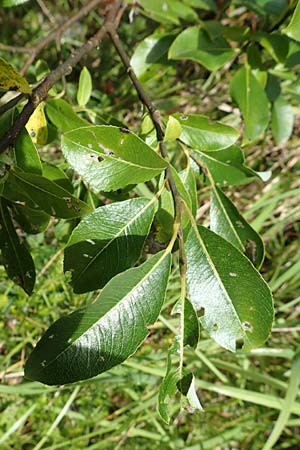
<point>247,326</point>
<point>215,327</point>
<point>201,312</point>
<point>100,158</point>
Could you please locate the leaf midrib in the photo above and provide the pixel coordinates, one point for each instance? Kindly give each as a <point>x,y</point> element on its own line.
<point>109,311</point>
<point>140,212</point>
<point>119,160</point>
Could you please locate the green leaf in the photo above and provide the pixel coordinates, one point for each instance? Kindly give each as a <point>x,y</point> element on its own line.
<point>293,28</point>
<point>227,166</point>
<point>227,222</point>
<point>207,5</point>
<point>62,115</point>
<point>195,44</point>
<point>97,338</point>
<point>164,217</point>
<point>191,325</point>
<point>188,178</point>
<point>264,7</point>
<point>16,258</point>
<point>85,87</point>
<point>201,134</point>
<point>106,242</point>
<point>169,11</point>
<point>10,79</point>
<point>236,300</point>
<point>246,90</point>
<point>27,157</point>
<point>10,3</point>
<point>54,173</point>
<point>282,120</point>
<point>276,44</point>
<point>173,129</point>
<point>32,220</point>
<point>49,196</point>
<point>110,158</point>
<point>151,53</point>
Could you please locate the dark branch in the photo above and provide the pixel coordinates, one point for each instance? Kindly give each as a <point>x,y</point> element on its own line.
<point>41,91</point>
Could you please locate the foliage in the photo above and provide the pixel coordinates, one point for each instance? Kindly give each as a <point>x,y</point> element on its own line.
<point>124,194</point>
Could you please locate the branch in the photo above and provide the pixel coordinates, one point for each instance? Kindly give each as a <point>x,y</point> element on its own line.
<point>41,91</point>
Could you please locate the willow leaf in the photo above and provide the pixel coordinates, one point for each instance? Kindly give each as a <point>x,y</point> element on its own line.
<point>97,338</point>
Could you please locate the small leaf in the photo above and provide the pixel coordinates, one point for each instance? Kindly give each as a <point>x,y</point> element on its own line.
<point>95,339</point>
<point>282,120</point>
<point>85,87</point>
<point>10,79</point>
<point>237,301</point>
<point>17,260</point>
<point>110,158</point>
<point>106,242</point>
<point>62,115</point>
<point>199,133</point>
<point>173,129</point>
<point>168,10</point>
<point>195,44</point>
<point>49,196</point>
<point>151,53</point>
<point>227,222</point>
<point>245,90</point>
<point>27,157</point>
<point>293,29</point>
<point>227,166</point>
<point>37,126</point>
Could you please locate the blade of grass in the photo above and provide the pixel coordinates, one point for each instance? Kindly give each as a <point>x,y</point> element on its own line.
<point>287,408</point>
<point>58,418</point>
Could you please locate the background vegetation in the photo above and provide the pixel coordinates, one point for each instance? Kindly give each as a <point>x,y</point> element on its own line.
<point>242,394</point>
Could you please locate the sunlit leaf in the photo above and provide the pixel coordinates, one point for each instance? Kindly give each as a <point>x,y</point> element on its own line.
<point>104,334</point>
<point>106,242</point>
<point>236,301</point>
<point>110,158</point>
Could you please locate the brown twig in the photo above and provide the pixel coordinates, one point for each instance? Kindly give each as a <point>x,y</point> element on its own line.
<point>41,91</point>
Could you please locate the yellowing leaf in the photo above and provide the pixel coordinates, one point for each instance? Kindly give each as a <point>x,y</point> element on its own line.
<point>37,126</point>
<point>10,79</point>
<point>173,130</point>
